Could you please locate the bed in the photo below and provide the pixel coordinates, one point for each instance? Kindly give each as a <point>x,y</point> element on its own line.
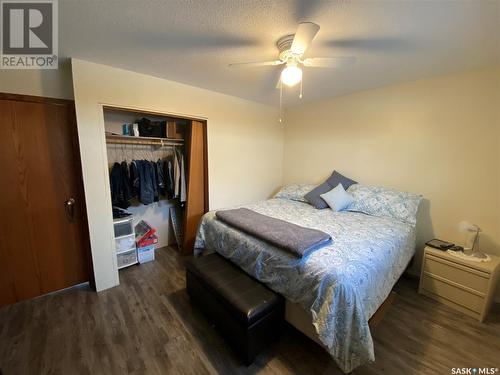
<point>337,288</point>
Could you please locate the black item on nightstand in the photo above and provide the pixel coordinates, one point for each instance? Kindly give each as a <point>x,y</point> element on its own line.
<point>439,244</point>
<point>247,313</point>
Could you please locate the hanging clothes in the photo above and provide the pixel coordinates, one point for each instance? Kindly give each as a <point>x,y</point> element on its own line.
<point>149,181</point>
<point>134,180</point>
<point>119,183</point>
<point>155,181</point>
<point>177,174</point>
<point>169,169</point>
<point>125,175</point>
<point>148,191</point>
<point>161,177</point>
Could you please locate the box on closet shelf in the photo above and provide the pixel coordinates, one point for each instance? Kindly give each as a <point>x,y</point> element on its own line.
<point>174,130</point>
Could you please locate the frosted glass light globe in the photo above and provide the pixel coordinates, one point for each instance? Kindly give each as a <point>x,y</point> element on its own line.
<point>291,75</point>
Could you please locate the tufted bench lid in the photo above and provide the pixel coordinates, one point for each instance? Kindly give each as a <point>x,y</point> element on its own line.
<point>248,299</point>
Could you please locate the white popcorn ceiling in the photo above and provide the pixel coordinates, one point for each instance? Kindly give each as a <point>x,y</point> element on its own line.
<point>192,41</point>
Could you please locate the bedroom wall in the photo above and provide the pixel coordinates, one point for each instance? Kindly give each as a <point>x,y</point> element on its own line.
<point>245,144</point>
<point>438,137</point>
<point>47,83</point>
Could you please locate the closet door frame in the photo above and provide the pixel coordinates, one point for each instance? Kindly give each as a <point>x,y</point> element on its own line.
<point>204,121</point>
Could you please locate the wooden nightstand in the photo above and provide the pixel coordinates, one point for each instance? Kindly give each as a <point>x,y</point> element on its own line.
<point>464,285</point>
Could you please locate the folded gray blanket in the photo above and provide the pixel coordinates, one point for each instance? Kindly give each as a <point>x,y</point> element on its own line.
<point>297,240</point>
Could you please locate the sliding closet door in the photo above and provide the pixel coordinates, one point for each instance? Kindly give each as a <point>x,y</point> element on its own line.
<point>197,199</point>
<point>43,230</point>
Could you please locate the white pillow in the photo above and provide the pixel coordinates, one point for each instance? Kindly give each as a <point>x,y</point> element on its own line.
<point>385,202</point>
<point>337,198</point>
<point>294,192</point>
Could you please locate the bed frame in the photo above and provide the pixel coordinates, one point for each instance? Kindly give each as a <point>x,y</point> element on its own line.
<point>301,320</point>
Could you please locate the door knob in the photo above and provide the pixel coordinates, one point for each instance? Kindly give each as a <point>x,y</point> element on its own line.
<point>69,206</point>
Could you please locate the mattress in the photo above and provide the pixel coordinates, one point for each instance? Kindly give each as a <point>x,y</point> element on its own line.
<point>340,285</point>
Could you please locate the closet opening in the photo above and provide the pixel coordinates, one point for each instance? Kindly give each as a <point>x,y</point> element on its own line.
<point>158,176</point>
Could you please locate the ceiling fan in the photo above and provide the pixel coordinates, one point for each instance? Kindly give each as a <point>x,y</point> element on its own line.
<point>291,53</point>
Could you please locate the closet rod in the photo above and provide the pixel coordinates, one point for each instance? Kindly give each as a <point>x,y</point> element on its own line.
<point>124,139</point>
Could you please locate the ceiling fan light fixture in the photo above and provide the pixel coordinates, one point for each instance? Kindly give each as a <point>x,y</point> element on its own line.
<point>291,75</point>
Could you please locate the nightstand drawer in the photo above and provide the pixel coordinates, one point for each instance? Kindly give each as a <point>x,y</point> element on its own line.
<point>462,275</point>
<point>452,293</point>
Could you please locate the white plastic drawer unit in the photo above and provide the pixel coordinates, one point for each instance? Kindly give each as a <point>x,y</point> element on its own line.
<point>127,259</point>
<point>125,243</point>
<point>124,227</point>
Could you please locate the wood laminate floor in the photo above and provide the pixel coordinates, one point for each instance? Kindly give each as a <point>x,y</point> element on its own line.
<point>148,326</point>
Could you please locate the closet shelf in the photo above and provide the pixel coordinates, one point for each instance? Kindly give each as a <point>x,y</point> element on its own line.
<point>127,139</point>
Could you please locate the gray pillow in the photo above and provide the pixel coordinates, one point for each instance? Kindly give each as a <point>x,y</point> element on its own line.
<point>314,198</point>
<point>336,178</point>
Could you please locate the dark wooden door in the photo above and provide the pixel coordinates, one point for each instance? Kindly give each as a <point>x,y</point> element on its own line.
<point>197,196</point>
<point>44,244</point>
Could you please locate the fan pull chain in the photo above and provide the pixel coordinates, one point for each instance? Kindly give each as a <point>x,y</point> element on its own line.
<point>281,101</point>
<point>300,95</point>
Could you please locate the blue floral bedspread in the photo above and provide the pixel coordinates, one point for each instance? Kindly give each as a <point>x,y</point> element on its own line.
<point>341,285</point>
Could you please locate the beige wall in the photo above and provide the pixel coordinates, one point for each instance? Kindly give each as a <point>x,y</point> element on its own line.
<point>245,144</point>
<point>438,137</point>
<point>47,83</point>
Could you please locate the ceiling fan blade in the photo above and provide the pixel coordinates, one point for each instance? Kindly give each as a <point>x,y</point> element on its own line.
<point>303,37</point>
<point>329,62</point>
<point>255,64</point>
<point>384,44</point>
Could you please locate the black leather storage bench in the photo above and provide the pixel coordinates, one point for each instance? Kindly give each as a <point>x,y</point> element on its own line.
<point>247,313</point>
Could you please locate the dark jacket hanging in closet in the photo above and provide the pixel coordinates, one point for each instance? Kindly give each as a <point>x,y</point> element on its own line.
<point>160,176</point>
<point>147,185</point>
<point>120,188</point>
<point>134,179</point>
